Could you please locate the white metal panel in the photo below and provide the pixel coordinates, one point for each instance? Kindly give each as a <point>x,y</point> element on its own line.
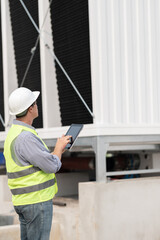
<point>96,58</point>
<point>50,101</point>
<point>127,37</point>
<point>9,70</point>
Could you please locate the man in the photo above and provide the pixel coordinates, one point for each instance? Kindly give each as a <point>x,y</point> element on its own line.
<point>31,167</point>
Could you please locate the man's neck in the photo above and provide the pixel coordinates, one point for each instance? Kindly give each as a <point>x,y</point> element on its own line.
<point>25,120</point>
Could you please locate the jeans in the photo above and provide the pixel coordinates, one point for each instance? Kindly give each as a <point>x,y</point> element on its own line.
<point>35,220</point>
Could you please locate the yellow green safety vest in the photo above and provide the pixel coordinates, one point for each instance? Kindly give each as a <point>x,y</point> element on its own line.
<point>28,184</point>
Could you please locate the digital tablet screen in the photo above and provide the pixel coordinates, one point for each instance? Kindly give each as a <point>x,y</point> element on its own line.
<point>74,131</point>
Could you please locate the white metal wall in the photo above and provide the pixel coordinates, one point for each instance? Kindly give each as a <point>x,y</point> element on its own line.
<point>50,101</point>
<point>125,60</point>
<point>125,67</point>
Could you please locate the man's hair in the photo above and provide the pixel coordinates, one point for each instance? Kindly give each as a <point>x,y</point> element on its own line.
<point>24,113</point>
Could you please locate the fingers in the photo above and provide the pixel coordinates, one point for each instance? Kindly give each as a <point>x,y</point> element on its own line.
<point>61,144</point>
<point>64,140</point>
<point>68,137</point>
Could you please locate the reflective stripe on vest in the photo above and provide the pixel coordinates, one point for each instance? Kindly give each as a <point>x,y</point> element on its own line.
<point>13,175</point>
<point>33,188</point>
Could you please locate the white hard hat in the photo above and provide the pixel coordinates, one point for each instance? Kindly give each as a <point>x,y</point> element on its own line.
<point>21,99</point>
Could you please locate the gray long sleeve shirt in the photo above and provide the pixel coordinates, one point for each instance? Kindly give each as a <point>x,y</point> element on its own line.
<point>29,150</point>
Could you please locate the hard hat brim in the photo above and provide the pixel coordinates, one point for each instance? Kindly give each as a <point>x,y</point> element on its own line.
<point>36,93</point>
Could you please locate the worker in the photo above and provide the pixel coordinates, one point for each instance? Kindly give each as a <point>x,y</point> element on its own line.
<point>31,167</point>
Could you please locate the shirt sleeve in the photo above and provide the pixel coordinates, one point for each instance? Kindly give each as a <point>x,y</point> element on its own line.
<point>31,150</point>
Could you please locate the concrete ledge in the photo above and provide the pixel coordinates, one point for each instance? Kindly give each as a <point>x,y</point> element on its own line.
<point>11,232</point>
<point>127,209</point>
<point>118,210</point>
<point>6,207</point>
<point>4,189</point>
<point>56,232</point>
<point>6,220</point>
<point>65,221</point>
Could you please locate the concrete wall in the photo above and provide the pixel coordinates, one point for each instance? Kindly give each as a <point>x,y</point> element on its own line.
<point>118,210</point>
<point>11,232</point>
<point>68,183</point>
<point>5,193</point>
<point>127,209</point>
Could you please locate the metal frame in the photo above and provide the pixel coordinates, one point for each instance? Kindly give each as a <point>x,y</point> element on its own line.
<point>102,144</point>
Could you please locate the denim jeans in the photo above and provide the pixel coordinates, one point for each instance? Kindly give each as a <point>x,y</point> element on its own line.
<point>35,220</point>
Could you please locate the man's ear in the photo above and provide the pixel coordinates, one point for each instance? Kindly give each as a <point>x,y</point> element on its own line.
<point>30,109</point>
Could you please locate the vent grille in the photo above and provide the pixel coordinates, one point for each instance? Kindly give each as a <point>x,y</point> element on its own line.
<point>24,38</point>
<point>71,45</point>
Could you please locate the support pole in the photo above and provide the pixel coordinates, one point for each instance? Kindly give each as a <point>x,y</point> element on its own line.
<point>100,148</point>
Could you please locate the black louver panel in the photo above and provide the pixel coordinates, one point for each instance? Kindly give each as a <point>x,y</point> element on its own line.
<point>24,38</point>
<point>1,81</point>
<point>71,45</point>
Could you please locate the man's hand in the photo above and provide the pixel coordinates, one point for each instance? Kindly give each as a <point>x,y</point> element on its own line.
<point>60,145</point>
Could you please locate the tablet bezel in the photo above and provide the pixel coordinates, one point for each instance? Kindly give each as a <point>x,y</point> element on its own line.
<point>69,133</point>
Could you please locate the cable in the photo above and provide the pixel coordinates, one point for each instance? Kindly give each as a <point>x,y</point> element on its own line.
<point>29,63</point>
<point>53,55</point>
<point>33,50</point>
<point>56,59</point>
<point>2,121</point>
<point>69,79</point>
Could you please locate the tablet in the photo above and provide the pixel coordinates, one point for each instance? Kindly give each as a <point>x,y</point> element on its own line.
<point>74,131</point>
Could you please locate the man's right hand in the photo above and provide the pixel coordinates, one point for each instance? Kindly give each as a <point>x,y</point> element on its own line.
<point>60,145</point>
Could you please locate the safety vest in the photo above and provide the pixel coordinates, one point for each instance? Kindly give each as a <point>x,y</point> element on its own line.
<point>28,184</point>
